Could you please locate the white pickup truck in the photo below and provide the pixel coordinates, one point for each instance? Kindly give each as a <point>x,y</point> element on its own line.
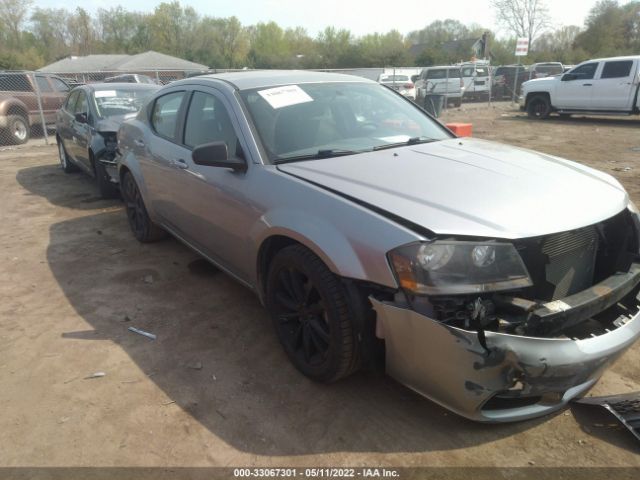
<point>605,86</point>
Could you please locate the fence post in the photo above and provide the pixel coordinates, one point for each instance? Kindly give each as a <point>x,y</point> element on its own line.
<point>39,98</point>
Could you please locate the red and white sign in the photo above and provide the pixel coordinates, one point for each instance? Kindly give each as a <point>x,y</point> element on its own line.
<point>522,46</point>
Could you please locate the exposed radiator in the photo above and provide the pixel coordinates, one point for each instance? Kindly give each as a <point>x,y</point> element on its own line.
<point>572,257</point>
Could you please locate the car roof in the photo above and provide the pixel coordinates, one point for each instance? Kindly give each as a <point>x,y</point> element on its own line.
<point>123,85</point>
<point>608,59</point>
<point>245,80</point>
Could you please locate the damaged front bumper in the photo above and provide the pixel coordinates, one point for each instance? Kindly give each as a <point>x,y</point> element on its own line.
<point>500,377</point>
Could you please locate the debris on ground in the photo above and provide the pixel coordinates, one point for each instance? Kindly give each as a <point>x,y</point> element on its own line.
<point>197,365</point>
<point>142,332</point>
<point>148,279</point>
<point>96,375</point>
<point>625,407</point>
<point>622,169</point>
<point>169,402</point>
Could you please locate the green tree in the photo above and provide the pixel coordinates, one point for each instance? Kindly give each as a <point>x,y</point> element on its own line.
<point>13,14</point>
<point>49,27</point>
<point>269,47</point>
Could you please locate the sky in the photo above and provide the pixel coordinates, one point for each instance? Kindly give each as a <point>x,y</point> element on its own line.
<point>359,16</point>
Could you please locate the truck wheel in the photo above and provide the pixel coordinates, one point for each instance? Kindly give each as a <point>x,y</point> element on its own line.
<point>312,315</point>
<point>18,128</point>
<point>539,107</point>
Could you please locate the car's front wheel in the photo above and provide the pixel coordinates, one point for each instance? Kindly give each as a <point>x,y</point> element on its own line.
<point>143,228</point>
<point>539,107</point>
<point>105,186</point>
<point>65,164</point>
<point>312,316</point>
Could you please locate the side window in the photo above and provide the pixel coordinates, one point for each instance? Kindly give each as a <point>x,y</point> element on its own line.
<point>208,121</point>
<point>585,72</point>
<point>467,72</point>
<point>59,84</point>
<point>81,104</point>
<point>164,117</point>
<point>618,69</point>
<point>43,84</point>
<point>71,101</point>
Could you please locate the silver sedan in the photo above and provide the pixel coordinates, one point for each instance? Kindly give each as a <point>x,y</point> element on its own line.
<point>496,281</point>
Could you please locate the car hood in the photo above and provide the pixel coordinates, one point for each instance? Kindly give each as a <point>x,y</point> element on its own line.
<point>540,82</point>
<point>112,124</point>
<point>471,187</point>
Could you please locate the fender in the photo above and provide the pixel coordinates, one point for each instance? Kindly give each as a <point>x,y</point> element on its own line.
<point>7,103</point>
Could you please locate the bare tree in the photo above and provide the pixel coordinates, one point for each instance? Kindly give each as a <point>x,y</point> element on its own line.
<point>523,18</point>
<point>13,14</point>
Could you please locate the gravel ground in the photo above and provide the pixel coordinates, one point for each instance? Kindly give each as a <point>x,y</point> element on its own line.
<point>215,388</point>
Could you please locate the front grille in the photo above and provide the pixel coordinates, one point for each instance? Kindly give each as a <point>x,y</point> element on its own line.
<point>571,258</point>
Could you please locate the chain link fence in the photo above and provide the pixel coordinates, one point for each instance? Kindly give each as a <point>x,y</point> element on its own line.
<point>29,100</point>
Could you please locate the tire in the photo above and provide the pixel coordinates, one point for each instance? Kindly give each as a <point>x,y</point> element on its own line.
<point>65,164</point>
<point>539,107</point>
<point>106,188</point>
<point>18,129</point>
<point>312,316</point>
<point>142,227</point>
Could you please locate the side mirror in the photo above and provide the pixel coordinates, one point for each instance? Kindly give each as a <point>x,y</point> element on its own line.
<point>81,118</point>
<point>216,154</point>
<point>414,78</point>
<point>568,77</point>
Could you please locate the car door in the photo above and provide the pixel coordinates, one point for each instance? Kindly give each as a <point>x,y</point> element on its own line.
<point>575,89</point>
<point>80,132</point>
<point>65,121</point>
<point>615,87</point>
<point>158,150</point>
<point>210,208</point>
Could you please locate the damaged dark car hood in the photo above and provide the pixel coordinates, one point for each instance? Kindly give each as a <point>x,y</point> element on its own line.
<point>472,187</point>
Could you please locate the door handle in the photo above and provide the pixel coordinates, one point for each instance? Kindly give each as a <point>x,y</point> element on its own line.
<point>587,84</point>
<point>138,142</point>
<point>180,163</point>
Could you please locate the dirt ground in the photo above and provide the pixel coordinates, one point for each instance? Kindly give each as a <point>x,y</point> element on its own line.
<point>215,388</point>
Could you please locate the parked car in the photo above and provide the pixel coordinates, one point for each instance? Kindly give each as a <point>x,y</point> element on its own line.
<point>445,81</point>
<point>606,86</point>
<point>87,126</point>
<point>506,78</point>
<point>364,226</point>
<point>545,69</point>
<point>400,83</point>
<point>476,79</point>
<point>131,78</point>
<point>19,108</point>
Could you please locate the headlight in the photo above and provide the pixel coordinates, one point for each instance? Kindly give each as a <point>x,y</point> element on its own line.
<point>450,267</point>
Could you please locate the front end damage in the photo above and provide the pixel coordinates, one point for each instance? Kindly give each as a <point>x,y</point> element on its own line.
<point>514,355</point>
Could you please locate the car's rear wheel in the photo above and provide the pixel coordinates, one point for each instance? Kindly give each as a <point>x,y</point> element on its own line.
<point>539,107</point>
<point>18,129</point>
<point>65,164</point>
<point>312,316</point>
<point>106,188</point>
<point>143,228</point>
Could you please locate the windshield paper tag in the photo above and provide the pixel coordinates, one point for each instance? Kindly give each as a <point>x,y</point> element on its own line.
<point>104,93</point>
<point>279,97</point>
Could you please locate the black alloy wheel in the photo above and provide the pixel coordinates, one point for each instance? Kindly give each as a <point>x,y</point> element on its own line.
<point>310,310</point>
<point>143,228</point>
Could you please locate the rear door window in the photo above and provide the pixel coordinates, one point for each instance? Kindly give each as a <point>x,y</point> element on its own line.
<point>15,83</point>
<point>69,105</point>
<point>59,85</point>
<point>164,116</point>
<point>617,69</point>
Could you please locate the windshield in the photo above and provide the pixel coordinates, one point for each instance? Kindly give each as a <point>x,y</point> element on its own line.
<point>322,120</point>
<point>395,78</point>
<point>120,101</point>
